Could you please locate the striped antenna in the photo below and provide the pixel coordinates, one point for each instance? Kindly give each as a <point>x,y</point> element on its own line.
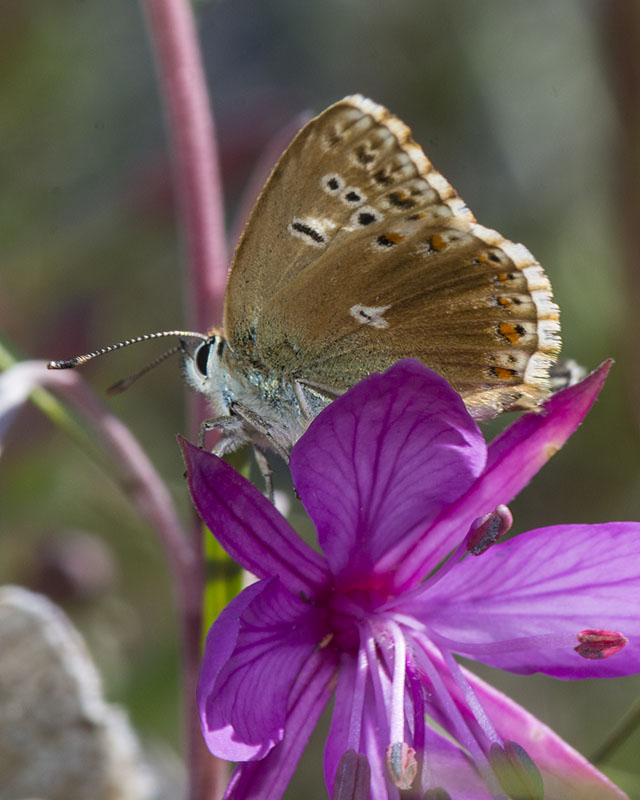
<point>74,362</point>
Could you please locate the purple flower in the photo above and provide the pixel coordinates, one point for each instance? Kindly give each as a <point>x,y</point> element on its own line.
<point>395,475</point>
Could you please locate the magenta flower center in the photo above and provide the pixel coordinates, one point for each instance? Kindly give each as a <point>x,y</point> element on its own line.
<point>347,611</point>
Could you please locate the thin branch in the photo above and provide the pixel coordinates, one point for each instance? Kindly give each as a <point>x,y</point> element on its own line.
<point>197,176</point>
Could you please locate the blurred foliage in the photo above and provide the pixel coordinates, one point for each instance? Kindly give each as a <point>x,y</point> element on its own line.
<point>512,102</point>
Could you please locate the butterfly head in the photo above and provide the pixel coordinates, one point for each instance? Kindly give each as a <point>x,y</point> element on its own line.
<point>205,370</point>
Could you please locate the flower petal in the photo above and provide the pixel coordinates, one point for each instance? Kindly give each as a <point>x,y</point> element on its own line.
<point>267,779</point>
<point>447,766</point>
<point>551,581</point>
<point>386,456</point>
<point>514,457</point>
<point>248,526</point>
<point>373,734</point>
<point>566,773</point>
<point>253,654</point>
<point>452,770</point>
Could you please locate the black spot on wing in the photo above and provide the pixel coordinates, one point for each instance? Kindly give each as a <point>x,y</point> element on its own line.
<point>366,218</point>
<point>301,227</point>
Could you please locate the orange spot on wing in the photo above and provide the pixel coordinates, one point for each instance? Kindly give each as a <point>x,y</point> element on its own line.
<point>511,332</point>
<point>394,237</point>
<point>506,302</point>
<point>502,374</point>
<point>438,242</point>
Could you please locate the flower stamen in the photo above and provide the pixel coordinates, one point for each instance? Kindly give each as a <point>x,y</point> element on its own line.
<point>596,643</point>
<point>437,794</point>
<point>398,684</point>
<point>401,764</point>
<point>448,707</point>
<point>518,775</point>
<point>353,777</point>
<point>485,531</point>
<point>359,689</point>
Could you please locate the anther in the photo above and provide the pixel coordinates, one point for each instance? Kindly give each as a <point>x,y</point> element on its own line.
<point>485,531</point>
<point>401,764</point>
<point>437,794</point>
<point>596,643</point>
<point>516,772</point>
<point>353,777</point>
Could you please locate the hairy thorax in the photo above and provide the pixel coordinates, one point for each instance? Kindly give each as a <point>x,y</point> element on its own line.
<point>249,403</point>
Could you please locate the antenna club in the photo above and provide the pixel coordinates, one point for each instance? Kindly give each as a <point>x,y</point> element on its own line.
<point>71,362</point>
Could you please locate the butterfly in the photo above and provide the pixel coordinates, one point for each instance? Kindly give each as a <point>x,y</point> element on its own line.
<point>357,254</point>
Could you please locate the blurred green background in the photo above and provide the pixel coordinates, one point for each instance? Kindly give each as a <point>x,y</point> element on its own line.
<point>528,108</point>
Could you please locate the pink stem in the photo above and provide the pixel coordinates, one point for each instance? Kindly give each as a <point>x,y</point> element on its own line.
<point>197,176</point>
<point>193,138</point>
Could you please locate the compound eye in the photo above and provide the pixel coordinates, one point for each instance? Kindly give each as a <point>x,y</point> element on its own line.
<point>201,357</point>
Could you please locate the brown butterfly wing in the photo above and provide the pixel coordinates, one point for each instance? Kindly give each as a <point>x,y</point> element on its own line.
<point>359,253</point>
<point>277,244</point>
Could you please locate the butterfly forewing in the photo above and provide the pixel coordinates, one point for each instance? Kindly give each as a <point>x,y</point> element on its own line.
<point>358,253</point>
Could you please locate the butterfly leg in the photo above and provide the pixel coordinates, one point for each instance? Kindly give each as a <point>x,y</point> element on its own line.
<point>236,424</point>
<point>221,423</point>
<point>302,400</point>
<point>261,427</point>
<point>265,471</point>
